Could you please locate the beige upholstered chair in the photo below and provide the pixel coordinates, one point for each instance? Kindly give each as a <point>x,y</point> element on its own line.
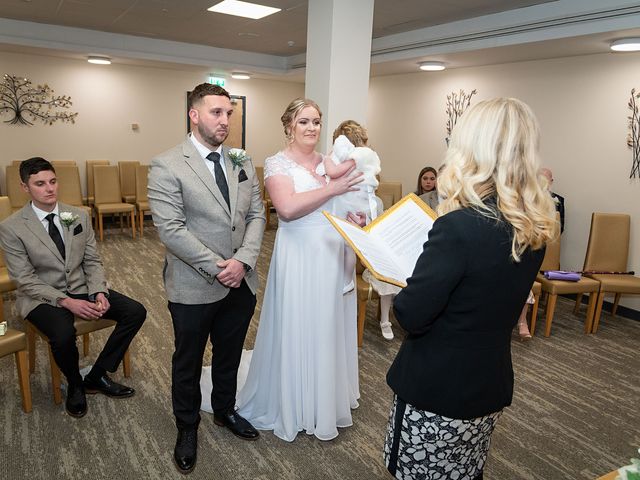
<point>553,288</point>
<point>364,293</point>
<point>15,342</point>
<point>142,200</point>
<point>90,184</point>
<point>389,193</point>
<point>108,196</point>
<point>83,329</point>
<point>69,189</point>
<point>5,208</point>
<point>59,163</point>
<point>128,180</point>
<point>537,290</point>
<point>17,195</point>
<point>266,201</point>
<point>608,251</point>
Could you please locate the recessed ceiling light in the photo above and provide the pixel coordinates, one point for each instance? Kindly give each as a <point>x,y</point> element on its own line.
<point>240,75</point>
<point>99,60</point>
<point>626,45</point>
<point>431,66</point>
<point>243,9</point>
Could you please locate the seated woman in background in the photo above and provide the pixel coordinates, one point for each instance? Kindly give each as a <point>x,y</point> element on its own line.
<point>453,374</point>
<point>427,187</point>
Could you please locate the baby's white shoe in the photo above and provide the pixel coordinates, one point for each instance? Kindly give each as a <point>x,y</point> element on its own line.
<point>386,330</point>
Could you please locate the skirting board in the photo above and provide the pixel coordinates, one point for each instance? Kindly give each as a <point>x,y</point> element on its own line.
<point>607,306</point>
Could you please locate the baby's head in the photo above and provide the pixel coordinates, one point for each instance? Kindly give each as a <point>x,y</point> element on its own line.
<point>355,132</point>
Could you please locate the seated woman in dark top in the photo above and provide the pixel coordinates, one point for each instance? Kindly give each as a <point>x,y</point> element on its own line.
<point>453,376</point>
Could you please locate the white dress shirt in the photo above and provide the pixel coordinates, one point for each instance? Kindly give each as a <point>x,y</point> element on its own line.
<point>204,151</point>
<point>41,214</point>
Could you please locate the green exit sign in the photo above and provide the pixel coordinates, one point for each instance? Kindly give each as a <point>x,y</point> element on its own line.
<point>216,81</point>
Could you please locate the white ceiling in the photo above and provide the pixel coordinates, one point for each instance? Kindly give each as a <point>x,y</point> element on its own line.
<point>181,33</point>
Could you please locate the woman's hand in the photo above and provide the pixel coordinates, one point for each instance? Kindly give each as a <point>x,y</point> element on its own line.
<point>345,183</point>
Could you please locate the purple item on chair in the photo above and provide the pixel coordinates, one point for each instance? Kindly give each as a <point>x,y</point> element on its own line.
<point>562,275</point>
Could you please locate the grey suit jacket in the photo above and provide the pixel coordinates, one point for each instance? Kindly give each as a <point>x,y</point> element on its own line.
<point>38,269</point>
<point>198,228</point>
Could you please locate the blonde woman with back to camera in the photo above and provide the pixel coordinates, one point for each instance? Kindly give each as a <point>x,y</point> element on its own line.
<point>303,374</point>
<point>465,294</point>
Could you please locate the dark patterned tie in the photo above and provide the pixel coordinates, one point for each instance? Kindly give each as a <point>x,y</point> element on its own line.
<point>54,233</point>
<point>221,180</point>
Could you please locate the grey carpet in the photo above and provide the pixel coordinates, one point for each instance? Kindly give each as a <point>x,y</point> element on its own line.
<point>575,414</point>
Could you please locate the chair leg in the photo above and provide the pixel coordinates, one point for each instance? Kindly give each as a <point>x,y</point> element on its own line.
<point>85,344</point>
<point>576,309</point>
<point>588,323</point>
<point>133,224</point>
<point>121,223</point>
<point>141,219</point>
<point>362,314</point>
<point>126,364</point>
<point>615,304</point>
<point>551,306</point>
<point>596,316</point>
<point>23,377</point>
<point>31,343</point>
<point>534,313</point>
<point>56,379</point>
<point>100,226</point>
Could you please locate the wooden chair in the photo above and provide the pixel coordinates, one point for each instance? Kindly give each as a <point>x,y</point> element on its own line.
<point>5,208</point>
<point>90,165</point>
<point>15,342</point>
<point>127,172</point>
<point>553,288</point>
<point>142,199</point>
<point>59,163</point>
<point>108,196</point>
<point>83,329</point>
<point>608,251</point>
<point>266,201</point>
<point>69,189</point>
<point>17,196</point>
<point>389,193</point>
<point>537,290</point>
<point>365,293</point>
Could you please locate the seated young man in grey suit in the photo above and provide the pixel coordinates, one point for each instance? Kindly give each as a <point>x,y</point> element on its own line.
<point>55,264</point>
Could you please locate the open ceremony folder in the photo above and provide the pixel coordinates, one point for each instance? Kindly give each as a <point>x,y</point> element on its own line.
<point>390,245</point>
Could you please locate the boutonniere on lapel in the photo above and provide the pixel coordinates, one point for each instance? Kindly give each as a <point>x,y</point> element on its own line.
<point>238,157</point>
<point>67,219</point>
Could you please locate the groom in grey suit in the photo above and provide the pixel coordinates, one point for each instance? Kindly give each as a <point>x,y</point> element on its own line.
<point>209,214</point>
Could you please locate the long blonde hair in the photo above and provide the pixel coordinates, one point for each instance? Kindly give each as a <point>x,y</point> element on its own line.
<point>494,151</point>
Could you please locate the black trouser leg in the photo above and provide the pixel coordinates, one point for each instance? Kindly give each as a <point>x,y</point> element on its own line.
<point>57,324</point>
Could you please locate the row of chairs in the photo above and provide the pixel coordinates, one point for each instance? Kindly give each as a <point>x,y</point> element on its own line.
<point>22,344</point>
<point>111,189</point>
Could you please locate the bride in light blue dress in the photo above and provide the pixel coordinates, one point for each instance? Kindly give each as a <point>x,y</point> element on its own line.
<point>303,374</point>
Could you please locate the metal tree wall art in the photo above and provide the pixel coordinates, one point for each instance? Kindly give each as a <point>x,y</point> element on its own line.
<point>26,102</point>
<point>457,103</point>
<point>633,139</point>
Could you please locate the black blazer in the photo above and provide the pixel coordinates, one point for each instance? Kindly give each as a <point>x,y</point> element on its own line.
<point>459,307</point>
<point>559,201</point>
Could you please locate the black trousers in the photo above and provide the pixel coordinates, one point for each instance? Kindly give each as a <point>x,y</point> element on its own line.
<point>225,323</point>
<point>57,324</point>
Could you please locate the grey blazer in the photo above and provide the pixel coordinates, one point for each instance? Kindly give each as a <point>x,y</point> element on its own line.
<point>38,269</point>
<point>198,228</point>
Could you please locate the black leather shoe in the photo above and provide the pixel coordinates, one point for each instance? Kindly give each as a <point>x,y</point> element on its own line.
<point>186,451</point>
<point>107,386</point>
<point>238,425</point>
<point>76,404</point>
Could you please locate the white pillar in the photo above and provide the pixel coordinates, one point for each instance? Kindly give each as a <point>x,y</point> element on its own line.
<point>338,61</point>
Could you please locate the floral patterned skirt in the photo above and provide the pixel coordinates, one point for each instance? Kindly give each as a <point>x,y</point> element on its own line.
<point>420,445</point>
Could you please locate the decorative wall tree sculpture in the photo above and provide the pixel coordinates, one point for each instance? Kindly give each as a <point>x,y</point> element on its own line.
<point>26,102</point>
<point>457,103</point>
<point>633,140</point>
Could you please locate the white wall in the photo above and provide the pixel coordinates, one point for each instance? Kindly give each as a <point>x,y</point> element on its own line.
<point>581,103</point>
<point>110,98</point>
